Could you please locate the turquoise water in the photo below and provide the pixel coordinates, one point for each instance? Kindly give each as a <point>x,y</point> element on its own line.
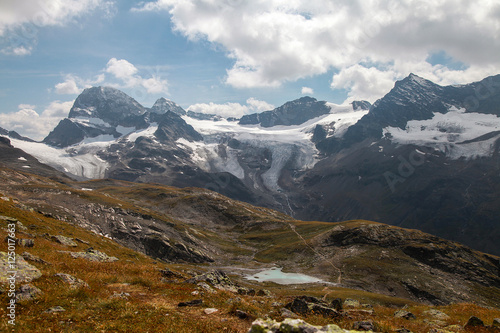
<point>277,276</point>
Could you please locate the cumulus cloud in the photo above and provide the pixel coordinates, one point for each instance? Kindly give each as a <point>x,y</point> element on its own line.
<point>27,122</point>
<point>307,91</point>
<point>236,110</point>
<point>275,41</point>
<point>118,73</point>
<point>129,76</point>
<point>21,20</point>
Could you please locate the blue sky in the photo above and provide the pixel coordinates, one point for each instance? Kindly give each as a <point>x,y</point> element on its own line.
<point>232,57</point>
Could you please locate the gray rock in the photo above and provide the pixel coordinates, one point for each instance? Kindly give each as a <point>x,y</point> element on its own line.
<point>73,282</point>
<point>292,326</point>
<point>167,273</point>
<point>64,240</point>
<point>94,255</point>
<point>285,313</point>
<point>122,295</point>
<point>437,314</point>
<point>209,311</point>
<point>264,292</point>
<point>242,314</point>
<point>55,309</point>
<point>191,303</point>
<point>496,322</point>
<point>364,326</point>
<point>25,272</point>
<point>25,242</point>
<point>474,322</point>
<point>351,303</point>
<point>404,314</point>
<point>305,305</point>
<point>30,257</point>
<point>28,292</point>
<point>218,279</point>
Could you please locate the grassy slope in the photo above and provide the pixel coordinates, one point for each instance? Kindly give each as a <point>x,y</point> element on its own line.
<point>152,305</point>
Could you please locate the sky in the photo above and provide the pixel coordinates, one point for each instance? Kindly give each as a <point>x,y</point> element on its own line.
<point>233,57</point>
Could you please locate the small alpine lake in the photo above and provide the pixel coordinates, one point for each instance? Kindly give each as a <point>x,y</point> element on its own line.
<point>276,275</point>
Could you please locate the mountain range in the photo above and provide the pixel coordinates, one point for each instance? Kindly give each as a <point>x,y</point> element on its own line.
<point>424,156</point>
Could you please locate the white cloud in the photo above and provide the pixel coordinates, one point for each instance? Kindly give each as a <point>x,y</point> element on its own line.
<point>275,41</point>
<point>27,122</point>
<point>119,73</point>
<point>236,110</point>
<point>254,105</point>
<point>20,21</point>
<point>69,86</point>
<point>307,91</point>
<point>129,76</point>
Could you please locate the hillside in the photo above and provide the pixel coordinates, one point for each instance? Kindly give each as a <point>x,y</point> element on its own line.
<point>194,230</point>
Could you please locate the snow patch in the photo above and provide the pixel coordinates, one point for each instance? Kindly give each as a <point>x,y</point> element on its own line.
<point>79,161</point>
<point>456,133</point>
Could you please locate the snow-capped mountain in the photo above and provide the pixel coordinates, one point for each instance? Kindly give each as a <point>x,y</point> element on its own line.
<point>423,156</point>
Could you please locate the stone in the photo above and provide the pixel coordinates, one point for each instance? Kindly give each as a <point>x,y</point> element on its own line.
<point>28,292</point>
<point>82,241</point>
<point>474,322</point>
<point>73,282</point>
<point>364,326</point>
<point>403,330</point>
<point>167,273</point>
<point>206,287</point>
<point>292,326</point>
<point>55,309</point>
<point>324,311</point>
<point>242,314</point>
<point>64,240</point>
<point>190,303</point>
<point>25,242</point>
<point>336,304</point>
<point>437,314</point>
<point>285,313</point>
<point>404,314</point>
<point>30,257</point>
<point>351,303</point>
<point>209,311</point>
<point>94,255</point>
<point>305,305</point>
<point>496,322</point>
<point>122,295</point>
<point>264,292</point>
<point>25,272</point>
<point>218,279</point>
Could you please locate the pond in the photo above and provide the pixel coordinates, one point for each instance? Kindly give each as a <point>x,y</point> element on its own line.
<point>277,276</point>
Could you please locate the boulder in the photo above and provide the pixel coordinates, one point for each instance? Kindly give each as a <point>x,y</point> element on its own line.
<point>55,309</point>
<point>404,314</point>
<point>218,279</point>
<point>439,315</point>
<point>351,303</point>
<point>209,311</point>
<point>474,322</point>
<point>496,323</point>
<point>94,255</point>
<point>73,282</point>
<point>25,272</point>
<point>28,292</point>
<point>64,240</point>
<point>30,257</point>
<point>190,303</point>
<point>292,325</point>
<point>364,326</point>
<point>304,305</point>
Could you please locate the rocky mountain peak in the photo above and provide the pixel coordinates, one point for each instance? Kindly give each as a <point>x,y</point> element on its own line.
<point>295,112</point>
<point>106,103</point>
<point>162,105</point>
